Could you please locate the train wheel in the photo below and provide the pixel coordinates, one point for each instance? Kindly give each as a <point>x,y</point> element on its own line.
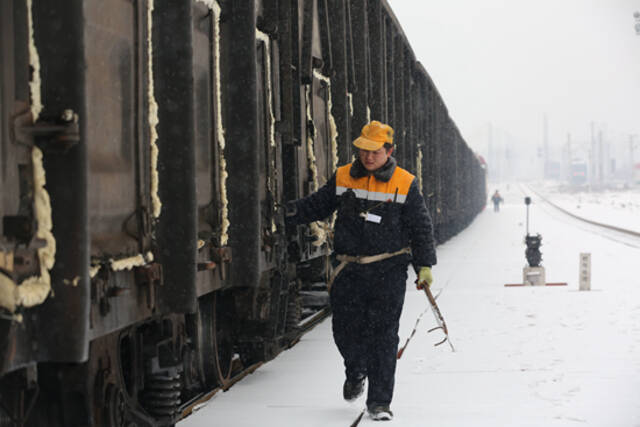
<point>216,345</point>
<point>115,407</point>
<point>223,337</point>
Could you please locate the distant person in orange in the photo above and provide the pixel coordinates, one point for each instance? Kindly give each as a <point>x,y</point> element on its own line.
<point>496,199</point>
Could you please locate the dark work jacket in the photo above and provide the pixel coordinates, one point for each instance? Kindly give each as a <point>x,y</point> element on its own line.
<point>391,195</point>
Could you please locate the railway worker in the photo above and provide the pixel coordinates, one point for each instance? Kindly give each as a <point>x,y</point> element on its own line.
<point>381,227</point>
<point>496,199</point>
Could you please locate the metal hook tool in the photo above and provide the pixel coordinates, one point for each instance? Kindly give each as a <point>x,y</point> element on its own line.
<point>441,323</point>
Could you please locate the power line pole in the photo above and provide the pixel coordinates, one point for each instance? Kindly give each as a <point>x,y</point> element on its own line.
<point>569,156</point>
<point>493,164</point>
<point>592,157</point>
<point>545,146</point>
<point>632,165</point>
<point>600,160</point>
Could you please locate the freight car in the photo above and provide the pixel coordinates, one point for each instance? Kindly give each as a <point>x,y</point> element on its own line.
<point>146,150</point>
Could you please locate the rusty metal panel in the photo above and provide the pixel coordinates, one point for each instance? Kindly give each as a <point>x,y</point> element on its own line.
<point>176,229</point>
<point>114,87</point>
<point>63,320</point>
<point>212,269</point>
<point>242,154</point>
<point>14,105</point>
<point>204,92</point>
<point>55,134</point>
<point>15,184</point>
<point>340,77</point>
<point>268,149</point>
<point>117,141</point>
<point>9,197</point>
<point>322,140</point>
<point>311,165</point>
<point>360,53</point>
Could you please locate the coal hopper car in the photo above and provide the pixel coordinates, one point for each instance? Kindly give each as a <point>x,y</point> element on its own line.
<point>147,148</point>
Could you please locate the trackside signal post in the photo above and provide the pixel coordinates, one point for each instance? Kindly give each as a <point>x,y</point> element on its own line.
<point>533,273</point>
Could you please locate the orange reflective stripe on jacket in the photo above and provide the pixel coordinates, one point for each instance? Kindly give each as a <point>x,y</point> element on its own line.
<point>369,188</point>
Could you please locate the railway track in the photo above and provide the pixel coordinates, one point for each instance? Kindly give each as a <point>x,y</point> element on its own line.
<point>598,225</point>
<point>305,326</point>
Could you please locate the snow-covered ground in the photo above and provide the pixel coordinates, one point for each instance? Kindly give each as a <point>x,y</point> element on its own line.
<point>544,356</point>
<point>619,207</point>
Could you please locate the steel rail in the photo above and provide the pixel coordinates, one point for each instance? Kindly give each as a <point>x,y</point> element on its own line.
<point>588,221</point>
<point>201,399</point>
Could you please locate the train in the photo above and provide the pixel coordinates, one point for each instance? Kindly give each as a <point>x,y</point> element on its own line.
<point>579,172</point>
<point>147,151</point>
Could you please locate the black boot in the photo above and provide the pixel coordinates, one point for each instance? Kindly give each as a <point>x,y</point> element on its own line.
<point>353,389</point>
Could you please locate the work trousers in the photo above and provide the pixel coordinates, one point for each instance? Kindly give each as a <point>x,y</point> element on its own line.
<point>366,301</point>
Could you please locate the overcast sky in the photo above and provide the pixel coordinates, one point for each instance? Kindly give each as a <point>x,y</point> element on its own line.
<point>509,62</point>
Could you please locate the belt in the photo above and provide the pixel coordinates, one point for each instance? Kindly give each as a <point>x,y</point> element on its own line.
<point>362,259</point>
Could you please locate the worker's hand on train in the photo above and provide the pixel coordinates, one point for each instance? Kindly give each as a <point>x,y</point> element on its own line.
<point>425,278</point>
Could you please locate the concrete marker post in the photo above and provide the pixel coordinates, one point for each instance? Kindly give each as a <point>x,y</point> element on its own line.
<point>585,271</point>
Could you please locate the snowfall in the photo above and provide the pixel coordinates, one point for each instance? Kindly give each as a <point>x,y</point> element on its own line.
<point>524,356</point>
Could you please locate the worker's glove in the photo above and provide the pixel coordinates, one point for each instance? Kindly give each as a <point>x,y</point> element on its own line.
<point>425,278</point>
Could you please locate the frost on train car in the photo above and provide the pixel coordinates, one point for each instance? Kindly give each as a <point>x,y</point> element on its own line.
<point>41,168</point>
<point>146,154</point>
